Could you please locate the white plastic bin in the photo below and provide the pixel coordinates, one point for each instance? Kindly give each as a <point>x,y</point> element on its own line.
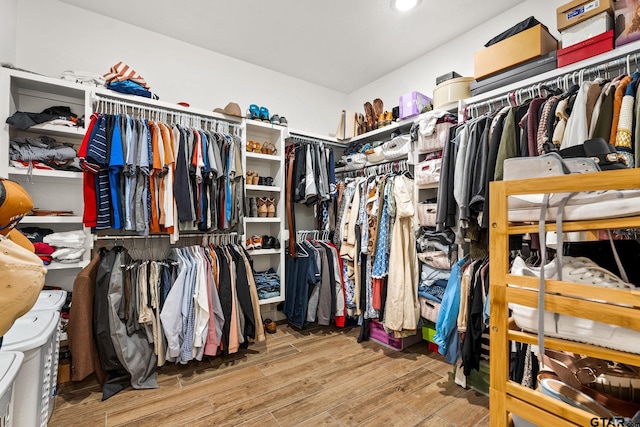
<point>37,335</point>
<point>50,300</point>
<point>10,363</point>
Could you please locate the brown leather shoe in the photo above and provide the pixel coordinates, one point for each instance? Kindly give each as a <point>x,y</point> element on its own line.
<point>269,326</point>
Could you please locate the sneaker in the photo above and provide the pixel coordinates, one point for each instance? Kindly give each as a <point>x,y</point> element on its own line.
<point>257,242</point>
<point>575,270</point>
<point>249,244</point>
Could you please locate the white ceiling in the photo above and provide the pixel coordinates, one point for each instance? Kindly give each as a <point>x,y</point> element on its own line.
<point>337,44</point>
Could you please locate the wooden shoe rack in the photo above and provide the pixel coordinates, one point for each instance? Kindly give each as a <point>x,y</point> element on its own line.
<point>508,397</point>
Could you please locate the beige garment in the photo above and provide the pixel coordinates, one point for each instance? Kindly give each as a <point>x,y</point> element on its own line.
<point>465,285</point>
<point>234,330</point>
<point>255,301</point>
<point>348,250</point>
<point>402,309</point>
<point>561,114</point>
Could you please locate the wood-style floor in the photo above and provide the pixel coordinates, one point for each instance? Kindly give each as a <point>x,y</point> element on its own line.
<point>320,376</point>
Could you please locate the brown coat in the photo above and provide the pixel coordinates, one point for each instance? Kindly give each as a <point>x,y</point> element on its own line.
<point>84,355</point>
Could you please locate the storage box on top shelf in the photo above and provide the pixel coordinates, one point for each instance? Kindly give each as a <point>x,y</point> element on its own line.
<point>627,22</point>
<point>586,49</point>
<point>576,11</point>
<point>522,47</point>
<point>515,74</point>
<point>451,91</point>
<point>448,76</point>
<point>412,103</point>
<point>594,26</point>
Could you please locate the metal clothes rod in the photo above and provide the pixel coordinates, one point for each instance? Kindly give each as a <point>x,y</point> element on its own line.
<point>563,82</point>
<point>104,104</point>
<point>393,166</point>
<point>159,236</point>
<point>307,139</point>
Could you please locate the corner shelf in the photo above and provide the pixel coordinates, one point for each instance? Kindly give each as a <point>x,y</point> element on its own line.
<point>257,252</point>
<point>271,188</point>
<point>49,129</point>
<point>51,220</point>
<point>263,157</point>
<point>383,130</point>
<point>261,219</point>
<point>279,298</point>
<point>64,266</point>
<point>45,173</point>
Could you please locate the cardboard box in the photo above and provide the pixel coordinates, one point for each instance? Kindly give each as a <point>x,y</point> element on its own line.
<point>586,49</point>
<point>577,11</point>
<point>626,31</point>
<point>515,74</point>
<point>524,46</point>
<point>412,103</point>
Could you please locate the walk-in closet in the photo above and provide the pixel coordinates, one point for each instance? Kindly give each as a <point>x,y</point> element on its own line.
<point>389,213</point>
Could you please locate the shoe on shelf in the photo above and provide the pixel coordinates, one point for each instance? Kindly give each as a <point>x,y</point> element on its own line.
<point>267,242</point>
<point>381,120</point>
<point>268,180</point>
<point>269,148</point>
<point>369,116</point>
<point>283,121</point>
<point>269,326</point>
<point>254,112</point>
<point>388,117</point>
<point>264,114</point>
<point>249,244</point>
<point>261,181</point>
<point>275,119</point>
<point>271,207</point>
<point>257,242</point>
<point>262,206</point>
<point>253,207</point>
<point>276,243</point>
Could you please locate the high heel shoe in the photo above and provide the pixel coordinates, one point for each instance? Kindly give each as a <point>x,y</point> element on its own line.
<point>271,207</point>
<point>262,206</point>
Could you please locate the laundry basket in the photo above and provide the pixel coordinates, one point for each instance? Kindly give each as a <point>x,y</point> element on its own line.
<point>10,362</point>
<point>37,335</point>
<point>50,300</point>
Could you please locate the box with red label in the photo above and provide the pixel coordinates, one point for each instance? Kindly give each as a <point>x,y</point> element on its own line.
<point>586,49</point>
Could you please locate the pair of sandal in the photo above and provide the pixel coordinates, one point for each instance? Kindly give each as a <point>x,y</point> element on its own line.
<point>258,113</point>
<point>266,148</point>
<point>254,179</point>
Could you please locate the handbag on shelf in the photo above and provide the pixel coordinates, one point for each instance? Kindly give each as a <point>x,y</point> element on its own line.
<point>426,214</point>
<point>355,161</point>
<point>428,171</point>
<point>436,140</point>
<point>397,148</point>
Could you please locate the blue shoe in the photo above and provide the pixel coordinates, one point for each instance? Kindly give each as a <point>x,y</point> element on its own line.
<point>264,114</point>
<point>254,112</point>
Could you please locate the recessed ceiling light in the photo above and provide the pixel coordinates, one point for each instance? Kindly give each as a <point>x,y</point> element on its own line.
<point>404,5</point>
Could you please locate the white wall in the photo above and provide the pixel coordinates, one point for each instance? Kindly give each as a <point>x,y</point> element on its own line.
<point>52,36</point>
<point>8,10</point>
<point>457,55</point>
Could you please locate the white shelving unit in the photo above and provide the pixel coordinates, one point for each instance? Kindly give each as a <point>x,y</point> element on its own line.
<point>49,189</point>
<point>272,166</point>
